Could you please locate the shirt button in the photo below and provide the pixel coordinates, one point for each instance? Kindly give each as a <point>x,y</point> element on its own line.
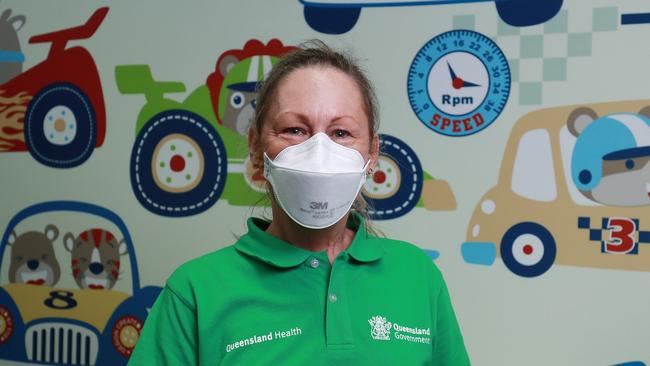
<point>333,298</point>
<point>314,263</point>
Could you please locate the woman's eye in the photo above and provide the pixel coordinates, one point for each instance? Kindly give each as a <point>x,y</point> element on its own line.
<point>293,131</point>
<point>341,133</point>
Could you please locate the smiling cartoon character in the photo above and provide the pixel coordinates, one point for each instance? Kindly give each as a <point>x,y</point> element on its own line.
<point>32,257</point>
<point>95,258</point>
<point>233,85</point>
<point>611,159</point>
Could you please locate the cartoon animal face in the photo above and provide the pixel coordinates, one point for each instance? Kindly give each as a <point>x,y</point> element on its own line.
<point>611,158</point>
<point>32,257</point>
<point>95,258</point>
<point>239,89</point>
<point>9,27</point>
<point>233,85</point>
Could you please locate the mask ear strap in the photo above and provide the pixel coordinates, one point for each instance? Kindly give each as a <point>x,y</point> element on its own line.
<point>267,166</point>
<point>365,167</point>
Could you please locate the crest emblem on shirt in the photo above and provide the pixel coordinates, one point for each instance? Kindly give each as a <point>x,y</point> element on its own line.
<point>379,328</point>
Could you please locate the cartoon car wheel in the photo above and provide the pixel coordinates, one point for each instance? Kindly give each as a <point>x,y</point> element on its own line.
<point>60,126</point>
<point>528,249</point>
<point>520,13</point>
<point>178,164</point>
<point>6,325</point>
<point>395,186</point>
<point>331,20</point>
<point>125,334</point>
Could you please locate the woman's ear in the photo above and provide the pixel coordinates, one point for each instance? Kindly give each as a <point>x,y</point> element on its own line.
<point>374,152</point>
<point>254,147</point>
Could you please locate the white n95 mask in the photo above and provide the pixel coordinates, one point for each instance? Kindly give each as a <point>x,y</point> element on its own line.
<point>316,181</point>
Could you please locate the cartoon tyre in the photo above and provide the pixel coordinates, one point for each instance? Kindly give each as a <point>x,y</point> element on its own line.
<point>521,13</point>
<point>60,126</point>
<point>528,249</point>
<point>332,20</point>
<point>178,164</point>
<point>395,186</point>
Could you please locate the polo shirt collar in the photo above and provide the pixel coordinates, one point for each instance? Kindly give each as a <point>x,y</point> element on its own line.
<point>267,248</point>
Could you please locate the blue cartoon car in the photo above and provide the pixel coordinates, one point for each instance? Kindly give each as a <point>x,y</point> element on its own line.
<point>79,302</point>
<point>339,16</point>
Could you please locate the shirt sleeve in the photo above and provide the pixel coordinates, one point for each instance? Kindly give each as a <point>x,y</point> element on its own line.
<point>448,345</point>
<point>169,336</point>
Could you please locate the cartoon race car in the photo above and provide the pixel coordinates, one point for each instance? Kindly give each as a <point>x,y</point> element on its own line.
<point>189,154</point>
<point>55,110</point>
<point>339,16</point>
<point>574,189</point>
<point>90,313</point>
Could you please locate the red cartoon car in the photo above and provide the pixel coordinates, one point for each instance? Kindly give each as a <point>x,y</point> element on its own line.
<point>55,110</point>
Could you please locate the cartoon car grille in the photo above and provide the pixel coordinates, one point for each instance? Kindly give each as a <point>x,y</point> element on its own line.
<point>61,343</point>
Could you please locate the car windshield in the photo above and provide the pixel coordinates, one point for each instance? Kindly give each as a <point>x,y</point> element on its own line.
<point>567,143</point>
<point>39,253</point>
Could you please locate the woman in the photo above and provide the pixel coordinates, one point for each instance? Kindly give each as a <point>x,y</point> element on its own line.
<point>313,286</point>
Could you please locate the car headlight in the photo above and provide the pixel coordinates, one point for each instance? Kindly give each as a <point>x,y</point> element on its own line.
<point>488,207</point>
<point>125,334</point>
<point>6,324</point>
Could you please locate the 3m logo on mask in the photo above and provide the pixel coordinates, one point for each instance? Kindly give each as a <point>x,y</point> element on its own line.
<point>318,205</point>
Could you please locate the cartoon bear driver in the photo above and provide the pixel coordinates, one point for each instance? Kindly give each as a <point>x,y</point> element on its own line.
<point>32,257</point>
<point>95,258</point>
<point>611,158</point>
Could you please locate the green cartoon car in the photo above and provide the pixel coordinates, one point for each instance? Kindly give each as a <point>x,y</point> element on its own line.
<point>189,154</point>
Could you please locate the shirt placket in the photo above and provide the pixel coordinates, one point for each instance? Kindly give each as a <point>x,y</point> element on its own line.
<point>338,329</point>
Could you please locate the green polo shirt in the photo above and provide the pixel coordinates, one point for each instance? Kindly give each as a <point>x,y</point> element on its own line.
<point>263,301</point>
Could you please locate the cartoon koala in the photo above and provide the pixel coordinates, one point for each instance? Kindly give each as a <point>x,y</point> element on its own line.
<point>611,158</point>
<point>233,85</point>
<point>95,258</point>
<point>12,64</point>
<point>239,109</point>
<point>32,257</point>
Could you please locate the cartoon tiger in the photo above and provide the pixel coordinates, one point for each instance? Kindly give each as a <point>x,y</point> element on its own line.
<point>95,258</point>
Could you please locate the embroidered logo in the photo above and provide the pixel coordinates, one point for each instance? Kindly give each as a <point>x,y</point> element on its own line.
<point>379,328</point>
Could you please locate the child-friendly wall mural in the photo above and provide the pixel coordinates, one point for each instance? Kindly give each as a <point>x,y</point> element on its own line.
<point>514,150</point>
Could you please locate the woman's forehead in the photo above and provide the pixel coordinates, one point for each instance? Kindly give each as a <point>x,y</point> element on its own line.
<point>319,90</point>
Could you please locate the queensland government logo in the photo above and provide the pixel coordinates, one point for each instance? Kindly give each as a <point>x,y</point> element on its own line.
<point>379,328</point>
<point>458,83</point>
